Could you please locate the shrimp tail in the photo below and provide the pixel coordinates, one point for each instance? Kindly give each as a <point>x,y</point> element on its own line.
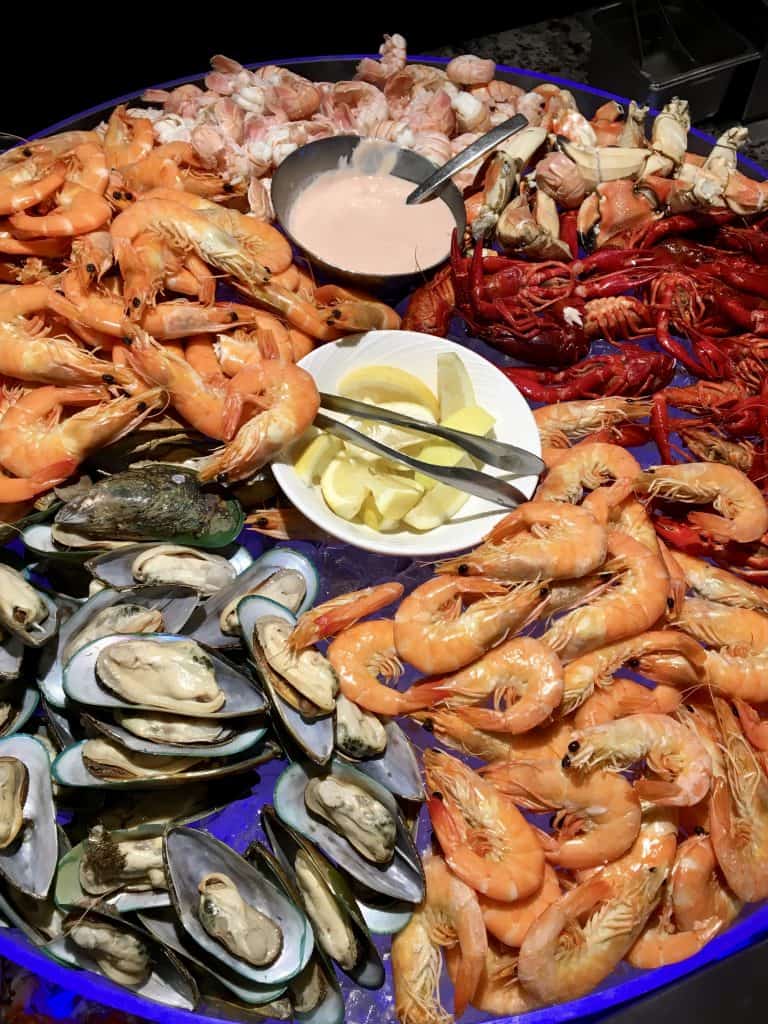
<point>657,791</point>
<point>465,983</point>
<point>426,695</point>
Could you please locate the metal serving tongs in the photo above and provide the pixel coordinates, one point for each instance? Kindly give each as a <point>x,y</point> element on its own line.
<point>487,142</point>
<point>516,461</point>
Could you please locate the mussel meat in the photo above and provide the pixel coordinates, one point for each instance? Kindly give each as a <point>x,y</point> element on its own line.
<point>141,672</point>
<point>359,733</point>
<point>14,784</point>
<point>108,760</point>
<point>21,607</point>
<point>171,563</point>
<point>354,813</point>
<point>153,502</point>
<point>108,864</point>
<point>121,955</point>
<point>241,928</point>
<point>286,586</point>
<point>158,728</point>
<point>333,931</point>
<point>309,988</point>
<point>119,618</point>
<point>308,671</point>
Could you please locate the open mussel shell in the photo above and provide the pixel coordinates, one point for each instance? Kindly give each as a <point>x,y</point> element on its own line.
<point>69,892</point>
<point>11,657</point>
<point>114,568</point>
<point>39,541</point>
<point>163,925</point>
<point>205,624</point>
<point>69,770</point>
<point>81,682</point>
<point>39,919</point>
<point>401,879</point>
<point>29,862</point>
<point>367,969</point>
<point>175,603</point>
<point>397,768</point>
<point>382,916</point>
<point>32,634</point>
<point>328,1005</point>
<point>245,736</point>
<point>16,709</point>
<point>311,732</point>
<point>169,982</point>
<point>190,855</point>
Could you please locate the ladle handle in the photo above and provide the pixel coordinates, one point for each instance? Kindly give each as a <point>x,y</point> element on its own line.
<point>467,156</point>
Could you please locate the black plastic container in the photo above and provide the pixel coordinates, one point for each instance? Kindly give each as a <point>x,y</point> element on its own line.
<point>653,50</point>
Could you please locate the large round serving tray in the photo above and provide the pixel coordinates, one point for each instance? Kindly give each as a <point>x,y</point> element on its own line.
<point>341,570</point>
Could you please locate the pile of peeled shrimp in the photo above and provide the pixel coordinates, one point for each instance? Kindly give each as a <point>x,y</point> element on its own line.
<point>244,123</point>
<point>653,785</point>
<point>111,253</point>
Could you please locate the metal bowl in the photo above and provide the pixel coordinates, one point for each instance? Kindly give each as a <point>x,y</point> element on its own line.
<point>306,163</point>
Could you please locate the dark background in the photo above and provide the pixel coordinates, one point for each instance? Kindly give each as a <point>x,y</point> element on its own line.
<point>79,57</point>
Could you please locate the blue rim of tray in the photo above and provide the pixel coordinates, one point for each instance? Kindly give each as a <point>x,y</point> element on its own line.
<point>745,932</point>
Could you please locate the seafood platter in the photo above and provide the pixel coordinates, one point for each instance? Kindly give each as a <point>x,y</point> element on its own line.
<point>434,741</point>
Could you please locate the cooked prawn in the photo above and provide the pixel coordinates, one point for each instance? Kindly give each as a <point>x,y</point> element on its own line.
<point>598,815</point>
<point>587,468</point>
<point>286,400</point>
<point>484,838</point>
<point>596,670</point>
<point>738,630</point>
<point>719,585</point>
<point>393,58</point>
<point>26,184</point>
<point>78,211</point>
<point>31,357</point>
<point>661,942</point>
<point>744,513</point>
<point>331,617</point>
<point>697,887</point>
<point>284,524</point>
<point>622,698</point>
<point>33,436</point>
<point>634,604</point>
<point>416,966</point>
<point>435,633</point>
<point>755,728</point>
<point>92,256</point>
<point>669,749</point>
<point>127,139</point>
<point>509,922</point>
<point>583,935</point>
<point>564,422</point>
<point>499,992</point>
<point>452,730</point>
<point>536,542</point>
<point>739,811</point>
<point>523,677</point>
<point>455,920</point>
<point>362,653</point>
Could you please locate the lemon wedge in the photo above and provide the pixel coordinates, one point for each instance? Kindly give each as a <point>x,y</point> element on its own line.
<point>378,384</point>
<point>372,518</point>
<point>315,457</point>
<point>437,506</point>
<point>394,495</point>
<point>345,485</point>
<point>472,419</point>
<point>454,386</point>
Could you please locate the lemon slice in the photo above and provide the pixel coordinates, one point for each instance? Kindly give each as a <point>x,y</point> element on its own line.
<point>378,384</point>
<point>372,518</point>
<point>472,419</point>
<point>394,495</point>
<point>444,454</point>
<point>315,457</point>
<point>435,508</point>
<point>412,409</point>
<point>345,485</point>
<point>454,386</point>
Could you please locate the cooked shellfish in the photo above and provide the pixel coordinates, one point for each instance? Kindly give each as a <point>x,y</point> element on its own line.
<point>108,864</point>
<point>359,734</point>
<point>355,814</point>
<point>107,760</point>
<point>171,563</point>
<point>228,918</point>
<point>332,929</point>
<point>307,671</point>
<point>119,618</point>
<point>141,672</point>
<point>161,728</point>
<point>121,955</point>
<point>14,785</point>
<point>21,607</point>
<point>286,586</point>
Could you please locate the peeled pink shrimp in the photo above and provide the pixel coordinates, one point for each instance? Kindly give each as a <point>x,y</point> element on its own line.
<point>467,69</point>
<point>472,115</point>
<point>431,112</point>
<point>357,104</point>
<point>393,59</point>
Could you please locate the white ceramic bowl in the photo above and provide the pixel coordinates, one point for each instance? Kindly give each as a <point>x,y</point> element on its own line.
<point>417,353</point>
